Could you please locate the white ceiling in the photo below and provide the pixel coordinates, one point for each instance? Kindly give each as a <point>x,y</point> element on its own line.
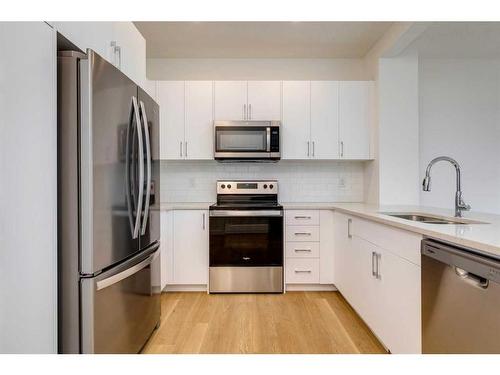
<point>260,39</point>
<point>459,40</point>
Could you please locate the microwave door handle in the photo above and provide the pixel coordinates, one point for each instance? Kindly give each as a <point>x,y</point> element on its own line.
<point>148,168</point>
<point>268,139</point>
<point>141,169</point>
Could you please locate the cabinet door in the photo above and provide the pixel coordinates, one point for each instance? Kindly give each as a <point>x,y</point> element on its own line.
<point>166,251</point>
<point>296,127</point>
<point>354,119</point>
<point>190,247</point>
<point>132,56</point>
<point>343,278</point>
<point>264,100</point>
<point>28,169</point>
<point>94,35</point>
<point>171,101</point>
<point>230,102</point>
<point>325,119</point>
<point>199,133</point>
<point>326,239</point>
<point>400,325</point>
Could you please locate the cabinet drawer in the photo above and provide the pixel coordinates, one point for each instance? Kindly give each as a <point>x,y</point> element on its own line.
<point>302,233</point>
<point>401,242</point>
<point>302,271</point>
<point>302,249</point>
<point>302,217</point>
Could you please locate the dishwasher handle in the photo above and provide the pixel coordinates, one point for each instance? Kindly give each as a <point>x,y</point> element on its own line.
<point>471,278</point>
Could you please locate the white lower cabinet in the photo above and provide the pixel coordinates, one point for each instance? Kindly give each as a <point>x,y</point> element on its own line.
<point>380,284</point>
<point>184,245</point>
<point>308,247</point>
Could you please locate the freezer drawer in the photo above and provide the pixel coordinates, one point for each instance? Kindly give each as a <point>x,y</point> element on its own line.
<point>121,307</point>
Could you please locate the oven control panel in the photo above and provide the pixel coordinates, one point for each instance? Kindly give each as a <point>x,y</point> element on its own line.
<point>247,187</point>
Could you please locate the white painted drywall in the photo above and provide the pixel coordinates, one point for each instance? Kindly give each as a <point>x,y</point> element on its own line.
<point>256,69</point>
<point>398,131</point>
<point>460,117</point>
<point>28,187</point>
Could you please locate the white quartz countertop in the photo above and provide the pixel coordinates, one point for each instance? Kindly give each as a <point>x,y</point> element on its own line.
<point>485,238</point>
<point>185,206</point>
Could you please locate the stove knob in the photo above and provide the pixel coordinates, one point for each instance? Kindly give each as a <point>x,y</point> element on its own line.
<point>265,186</point>
<point>229,186</point>
<point>223,186</point>
<point>271,186</point>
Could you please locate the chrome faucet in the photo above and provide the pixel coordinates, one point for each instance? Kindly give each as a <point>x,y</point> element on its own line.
<point>460,205</point>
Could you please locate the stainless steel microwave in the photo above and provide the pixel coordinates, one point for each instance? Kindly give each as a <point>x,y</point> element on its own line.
<point>247,140</point>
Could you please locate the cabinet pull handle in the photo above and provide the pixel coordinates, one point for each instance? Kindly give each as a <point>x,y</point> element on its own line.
<point>302,250</point>
<point>342,148</point>
<point>349,223</point>
<point>180,149</point>
<point>307,148</point>
<point>378,257</point>
<point>302,233</point>
<point>244,111</point>
<point>249,111</point>
<point>313,148</point>
<point>374,256</point>
<point>203,223</point>
<point>302,271</point>
<point>186,149</point>
<point>302,217</point>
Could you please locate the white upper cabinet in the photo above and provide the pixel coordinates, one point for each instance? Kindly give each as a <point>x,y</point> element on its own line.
<point>171,101</point>
<point>354,119</point>
<point>296,127</point>
<point>264,100</point>
<point>120,43</point>
<point>247,100</point>
<point>230,100</point>
<point>186,119</point>
<point>324,119</point>
<point>131,54</point>
<point>198,131</point>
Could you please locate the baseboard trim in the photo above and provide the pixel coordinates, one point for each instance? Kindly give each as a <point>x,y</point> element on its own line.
<point>310,287</point>
<point>185,288</point>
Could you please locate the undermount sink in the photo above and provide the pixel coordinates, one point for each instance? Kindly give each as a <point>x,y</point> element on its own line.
<point>431,219</point>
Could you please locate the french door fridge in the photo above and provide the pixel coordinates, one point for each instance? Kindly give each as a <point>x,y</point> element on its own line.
<point>108,208</point>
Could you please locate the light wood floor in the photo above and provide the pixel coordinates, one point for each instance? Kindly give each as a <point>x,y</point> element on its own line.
<point>295,322</point>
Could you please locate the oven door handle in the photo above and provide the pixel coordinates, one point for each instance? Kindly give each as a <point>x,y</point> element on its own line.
<point>243,213</point>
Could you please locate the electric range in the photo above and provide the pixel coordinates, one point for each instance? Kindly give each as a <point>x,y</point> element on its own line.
<point>246,238</point>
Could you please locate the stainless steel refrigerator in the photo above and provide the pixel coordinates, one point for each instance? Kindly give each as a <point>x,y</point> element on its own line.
<point>108,208</point>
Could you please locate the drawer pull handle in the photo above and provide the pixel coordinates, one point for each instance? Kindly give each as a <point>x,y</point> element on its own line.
<point>303,271</point>
<point>302,217</point>
<point>302,233</point>
<point>302,250</point>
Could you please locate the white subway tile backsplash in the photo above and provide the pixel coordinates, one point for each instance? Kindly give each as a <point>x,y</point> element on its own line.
<point>299,181</point>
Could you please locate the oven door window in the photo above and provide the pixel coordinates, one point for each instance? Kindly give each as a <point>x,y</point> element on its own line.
<point>246,241</point>
<point>241,139</point>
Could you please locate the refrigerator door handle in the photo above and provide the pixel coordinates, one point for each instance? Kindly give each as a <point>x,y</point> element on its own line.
<point>148,168</point>
<point>138,207</point>
<point>128,156</point>
<point>124,274</point>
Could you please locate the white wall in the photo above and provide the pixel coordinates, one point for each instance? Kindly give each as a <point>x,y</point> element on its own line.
<point>256,69</point>
<point>28,188</point>
<point>460,117</point>
<point>299,181</point>
<point>398,131</point>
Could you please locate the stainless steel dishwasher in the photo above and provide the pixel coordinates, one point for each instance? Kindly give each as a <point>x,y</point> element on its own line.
<point>460,300</point>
